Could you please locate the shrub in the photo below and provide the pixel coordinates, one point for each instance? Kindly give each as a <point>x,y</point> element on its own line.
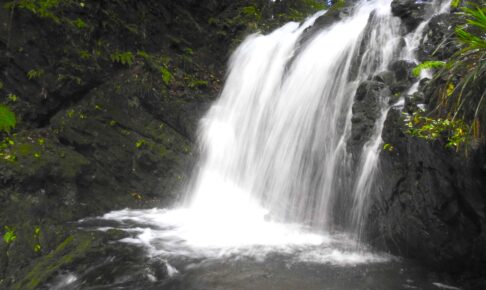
<point>459,102</point>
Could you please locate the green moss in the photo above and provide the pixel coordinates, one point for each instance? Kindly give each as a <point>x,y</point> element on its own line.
<point>72,248</point>
<point>33,155</point>
<point>8,121</point>
<point>25,149</point>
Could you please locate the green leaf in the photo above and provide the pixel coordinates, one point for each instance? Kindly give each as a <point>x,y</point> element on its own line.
<point>140,143</point>
<point>79,23</point>
<point>455,3</point>
<point>9,235</point>
<point>8,120</point>
<point>35,74</point>
<point>166,75</point>
<point>125,58</point>
<point>388,147</point>
<point>427,65</point>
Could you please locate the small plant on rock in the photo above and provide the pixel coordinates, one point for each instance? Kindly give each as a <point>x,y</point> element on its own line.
<point>125,58</point>
<point>9,236</point>
<point>8,121</point>
<point>35,74</point>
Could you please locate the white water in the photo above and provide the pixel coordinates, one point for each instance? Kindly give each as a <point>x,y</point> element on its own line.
<point>415,38</point>
<point>275,163</point>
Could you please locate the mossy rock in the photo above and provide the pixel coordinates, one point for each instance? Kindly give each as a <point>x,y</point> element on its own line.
<point>72,248</point>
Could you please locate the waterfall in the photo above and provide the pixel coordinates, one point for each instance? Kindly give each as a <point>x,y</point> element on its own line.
<point>275,143</point>
<point>279,169</point>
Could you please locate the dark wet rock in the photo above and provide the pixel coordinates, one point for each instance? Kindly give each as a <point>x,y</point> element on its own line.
<point>386,77</point>
<point>431,201</point>
<point>399,87</point>
<point>366,110</point>
<point>410,11</point>
<point>402,70</point>
<point>412,102</point>
<point>333,15</point>
<point>439,38</point>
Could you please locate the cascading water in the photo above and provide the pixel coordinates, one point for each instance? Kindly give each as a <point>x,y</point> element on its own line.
<point>274,145</point>
<point>276,168</point>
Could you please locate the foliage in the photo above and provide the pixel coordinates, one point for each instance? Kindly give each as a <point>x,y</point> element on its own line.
<point>12,97</point>
<point>476,18</point>
<point>427,65</point>
<point>70,113</point>
<point>84,54</point>
<point>143,54</point>
<point>37,245</point>
<point>166,75</point>
<point>136,195</point>
<point>388,147</point>
<point>188,51</point>
<point>125,58</point>
<point>193,82</point>
<point>41,8</point>
<point>453,131</point>
<point>315,5</point>
<point>455,3</point>
<point>4,152</point>
<point>8,121</point>
<point>140,143</point>
<point>251,11</point>
<point>35,74</point>
<point>9,236</point>
<point>461,81</point>
<point>79,23</point>
<point>197,84</point>
<point>157,64</point>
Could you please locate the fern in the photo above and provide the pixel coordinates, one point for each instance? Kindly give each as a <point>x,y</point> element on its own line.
<point>35,74</point>
<point>461,79</point>
<point>125,58</point>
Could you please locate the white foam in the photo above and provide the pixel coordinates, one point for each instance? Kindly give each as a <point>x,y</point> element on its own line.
<point>444,286</point>
<point>183,232</point>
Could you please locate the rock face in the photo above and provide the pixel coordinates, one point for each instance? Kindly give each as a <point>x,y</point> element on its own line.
<point>107,95</point>
<point>410,11</point>
<point>430,201</point>
<point>438,30</point>
<point>366,111</point>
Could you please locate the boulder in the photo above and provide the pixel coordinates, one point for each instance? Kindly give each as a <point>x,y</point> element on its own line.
<point>411,12</point>
<point>367,107</point>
